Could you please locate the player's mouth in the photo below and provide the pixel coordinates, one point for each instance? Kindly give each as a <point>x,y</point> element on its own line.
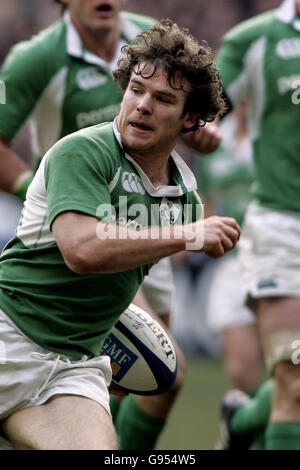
<point>104,10</point>
<point>140,126</point>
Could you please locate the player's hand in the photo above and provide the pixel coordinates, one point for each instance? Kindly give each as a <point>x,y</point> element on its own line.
<point>205,141</point>
<point>214,235</point>
<point>220,235</point>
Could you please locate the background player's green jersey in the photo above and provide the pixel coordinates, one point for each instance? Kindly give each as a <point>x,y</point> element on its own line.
<point>261,57</point>
<point>225,177</point>
<point>86,172</point>
<point>59,84</point>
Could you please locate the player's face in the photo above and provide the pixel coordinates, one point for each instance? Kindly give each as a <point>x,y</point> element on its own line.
<point>151,117</point>
<point>95,15</point>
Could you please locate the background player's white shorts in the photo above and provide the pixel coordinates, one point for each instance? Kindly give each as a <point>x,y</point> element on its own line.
<point>269,252</point>
<point>30,375</point>
<point>225,307</point>
<point>158,287</point>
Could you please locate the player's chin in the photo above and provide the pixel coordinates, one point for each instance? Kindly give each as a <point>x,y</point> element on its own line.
<point>101,25</point>
<point>138,144</point>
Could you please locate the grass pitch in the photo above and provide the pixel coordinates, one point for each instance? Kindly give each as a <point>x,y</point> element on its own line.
<point>193,424</point>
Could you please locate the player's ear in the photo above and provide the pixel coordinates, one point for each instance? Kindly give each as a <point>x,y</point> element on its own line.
<point>190,120</point>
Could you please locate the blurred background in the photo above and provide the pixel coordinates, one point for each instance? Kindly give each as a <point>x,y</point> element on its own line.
<point>193,424</point>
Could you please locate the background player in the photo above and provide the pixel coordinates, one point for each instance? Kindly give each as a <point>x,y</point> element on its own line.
<point>261,57</point>
<point>224,180</point>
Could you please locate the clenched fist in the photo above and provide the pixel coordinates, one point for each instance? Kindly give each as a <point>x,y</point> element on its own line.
<point>213,236</point>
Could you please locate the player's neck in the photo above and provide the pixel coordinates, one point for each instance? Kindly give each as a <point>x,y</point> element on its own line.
<point>102,43</point>
<point>158,170</point>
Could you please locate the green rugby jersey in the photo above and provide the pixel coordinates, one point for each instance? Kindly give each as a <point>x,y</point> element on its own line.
<point>88,172</point>
<point>261,57</point>
<point>225,176</point>
<point>61,86</point>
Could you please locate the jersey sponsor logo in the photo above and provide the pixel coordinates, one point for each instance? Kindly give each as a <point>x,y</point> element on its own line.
<point>132,183</point>
<point>288,48</point>
<point>169,212</point>
<point>121,357</point>
<point>97,116</point>
<point>90,77</point>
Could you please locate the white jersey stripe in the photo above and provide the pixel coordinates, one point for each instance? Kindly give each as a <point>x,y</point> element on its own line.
<point>48,108</point>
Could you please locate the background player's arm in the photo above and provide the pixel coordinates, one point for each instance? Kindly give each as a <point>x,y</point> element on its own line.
<point>14,173</point>
<point>86,247</point>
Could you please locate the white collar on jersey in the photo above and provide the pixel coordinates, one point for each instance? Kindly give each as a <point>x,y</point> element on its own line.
<point>287,14</point>
<point>187,175</point>
<point>75,47</point>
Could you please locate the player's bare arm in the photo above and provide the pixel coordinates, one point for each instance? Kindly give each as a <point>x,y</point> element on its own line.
<point>87,249</point>
<point>13,171</point>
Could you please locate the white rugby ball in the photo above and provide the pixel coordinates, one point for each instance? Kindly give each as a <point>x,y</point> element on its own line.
<point>143,358</point>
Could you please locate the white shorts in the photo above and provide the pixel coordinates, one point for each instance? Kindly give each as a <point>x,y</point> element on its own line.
<point>31,375</point>
<point>225,308</point>
<point>158,287</point>
<point>270,254</point>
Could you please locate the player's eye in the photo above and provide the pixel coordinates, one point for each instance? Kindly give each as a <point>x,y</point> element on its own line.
<point>162,99</point>
<point>136,90</point>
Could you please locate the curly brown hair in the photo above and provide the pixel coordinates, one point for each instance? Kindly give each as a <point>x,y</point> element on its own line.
<point>174,50</point>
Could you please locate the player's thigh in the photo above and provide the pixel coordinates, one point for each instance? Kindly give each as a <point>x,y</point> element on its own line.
<point>67,422</point>
<point>279,327</point>
<point>242,343</point>
<point>276,314</point>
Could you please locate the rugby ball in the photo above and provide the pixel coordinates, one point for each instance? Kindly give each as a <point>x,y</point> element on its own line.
<point>143,359</point>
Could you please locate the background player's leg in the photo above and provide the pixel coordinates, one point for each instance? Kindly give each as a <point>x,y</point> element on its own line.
<point>243,357</point>
<point>282,315</point>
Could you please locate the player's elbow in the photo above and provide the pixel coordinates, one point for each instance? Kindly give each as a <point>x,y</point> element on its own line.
<point>82,260</point>
<point>77,261</point>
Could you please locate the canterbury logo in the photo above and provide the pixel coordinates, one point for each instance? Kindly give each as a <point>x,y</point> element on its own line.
<point>132,183</point>
<point>288,48</point>
<point>90,77</point>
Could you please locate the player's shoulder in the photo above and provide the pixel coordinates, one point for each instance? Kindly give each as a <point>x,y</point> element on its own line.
<point>45,48</point>
<point>88,144</point>
<point>141,21</point>
<point>252,29</point>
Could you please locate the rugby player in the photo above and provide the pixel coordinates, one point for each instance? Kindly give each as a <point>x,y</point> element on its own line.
<point>62,80</point>
<point>64,282</point>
